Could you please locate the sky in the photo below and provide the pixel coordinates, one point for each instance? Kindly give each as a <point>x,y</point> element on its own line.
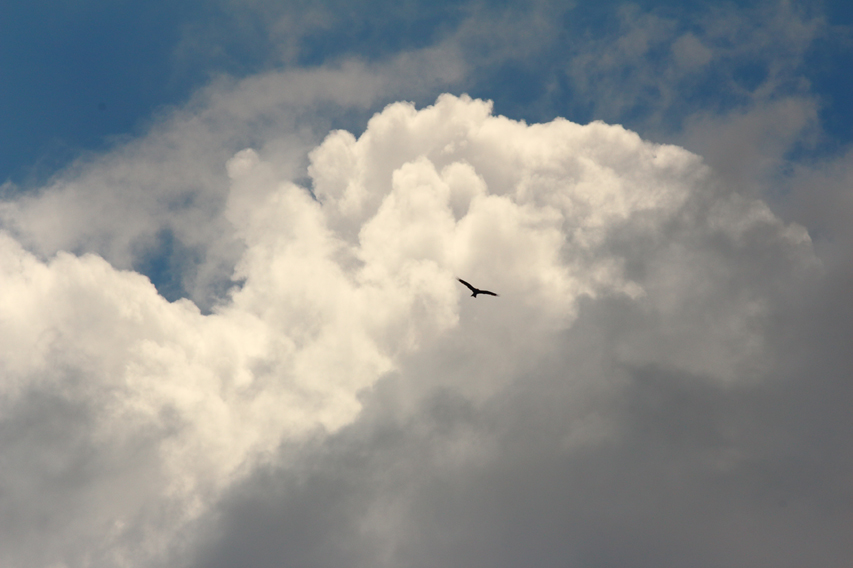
<point>232,334</point>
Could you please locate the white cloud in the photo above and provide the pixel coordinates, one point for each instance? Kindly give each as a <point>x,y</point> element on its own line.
<point>664,379</point>
<point>164,407</point>
<point>173,179</point>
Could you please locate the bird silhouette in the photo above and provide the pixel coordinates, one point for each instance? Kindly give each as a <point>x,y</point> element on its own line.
<point>475,291</point>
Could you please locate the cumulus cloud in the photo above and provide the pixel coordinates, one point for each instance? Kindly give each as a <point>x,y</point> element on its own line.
<point>650,412</point>
<point>646,402</point>
<point>164,194</point>
<point>344,400</point>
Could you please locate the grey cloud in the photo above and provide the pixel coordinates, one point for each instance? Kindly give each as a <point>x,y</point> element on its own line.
<point>583,459</point>
<point>65,490</point>
<point>701,423</point>
<point>690,472</point>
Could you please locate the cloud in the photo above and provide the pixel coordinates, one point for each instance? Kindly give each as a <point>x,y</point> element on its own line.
<point>634,406</point>
<point>819,193</point>
<point>667,407</point>
<point>170,186</point>
<point>663,381</point>
<point>654,70</point>
<point>347,400</point>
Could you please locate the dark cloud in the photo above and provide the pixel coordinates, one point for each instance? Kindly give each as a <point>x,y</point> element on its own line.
<point>685,470</point>
<point>690,471</point>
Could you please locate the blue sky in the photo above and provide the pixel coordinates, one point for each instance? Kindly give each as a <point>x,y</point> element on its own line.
<point>80,76</point>
<point>62,60</point>
<point>232,334</point>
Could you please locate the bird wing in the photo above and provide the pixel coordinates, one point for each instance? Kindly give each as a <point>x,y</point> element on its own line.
<point>468,285</point>
<point>487,293</point>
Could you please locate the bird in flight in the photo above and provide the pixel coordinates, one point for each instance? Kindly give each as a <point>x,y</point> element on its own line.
<point>475,291</point>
